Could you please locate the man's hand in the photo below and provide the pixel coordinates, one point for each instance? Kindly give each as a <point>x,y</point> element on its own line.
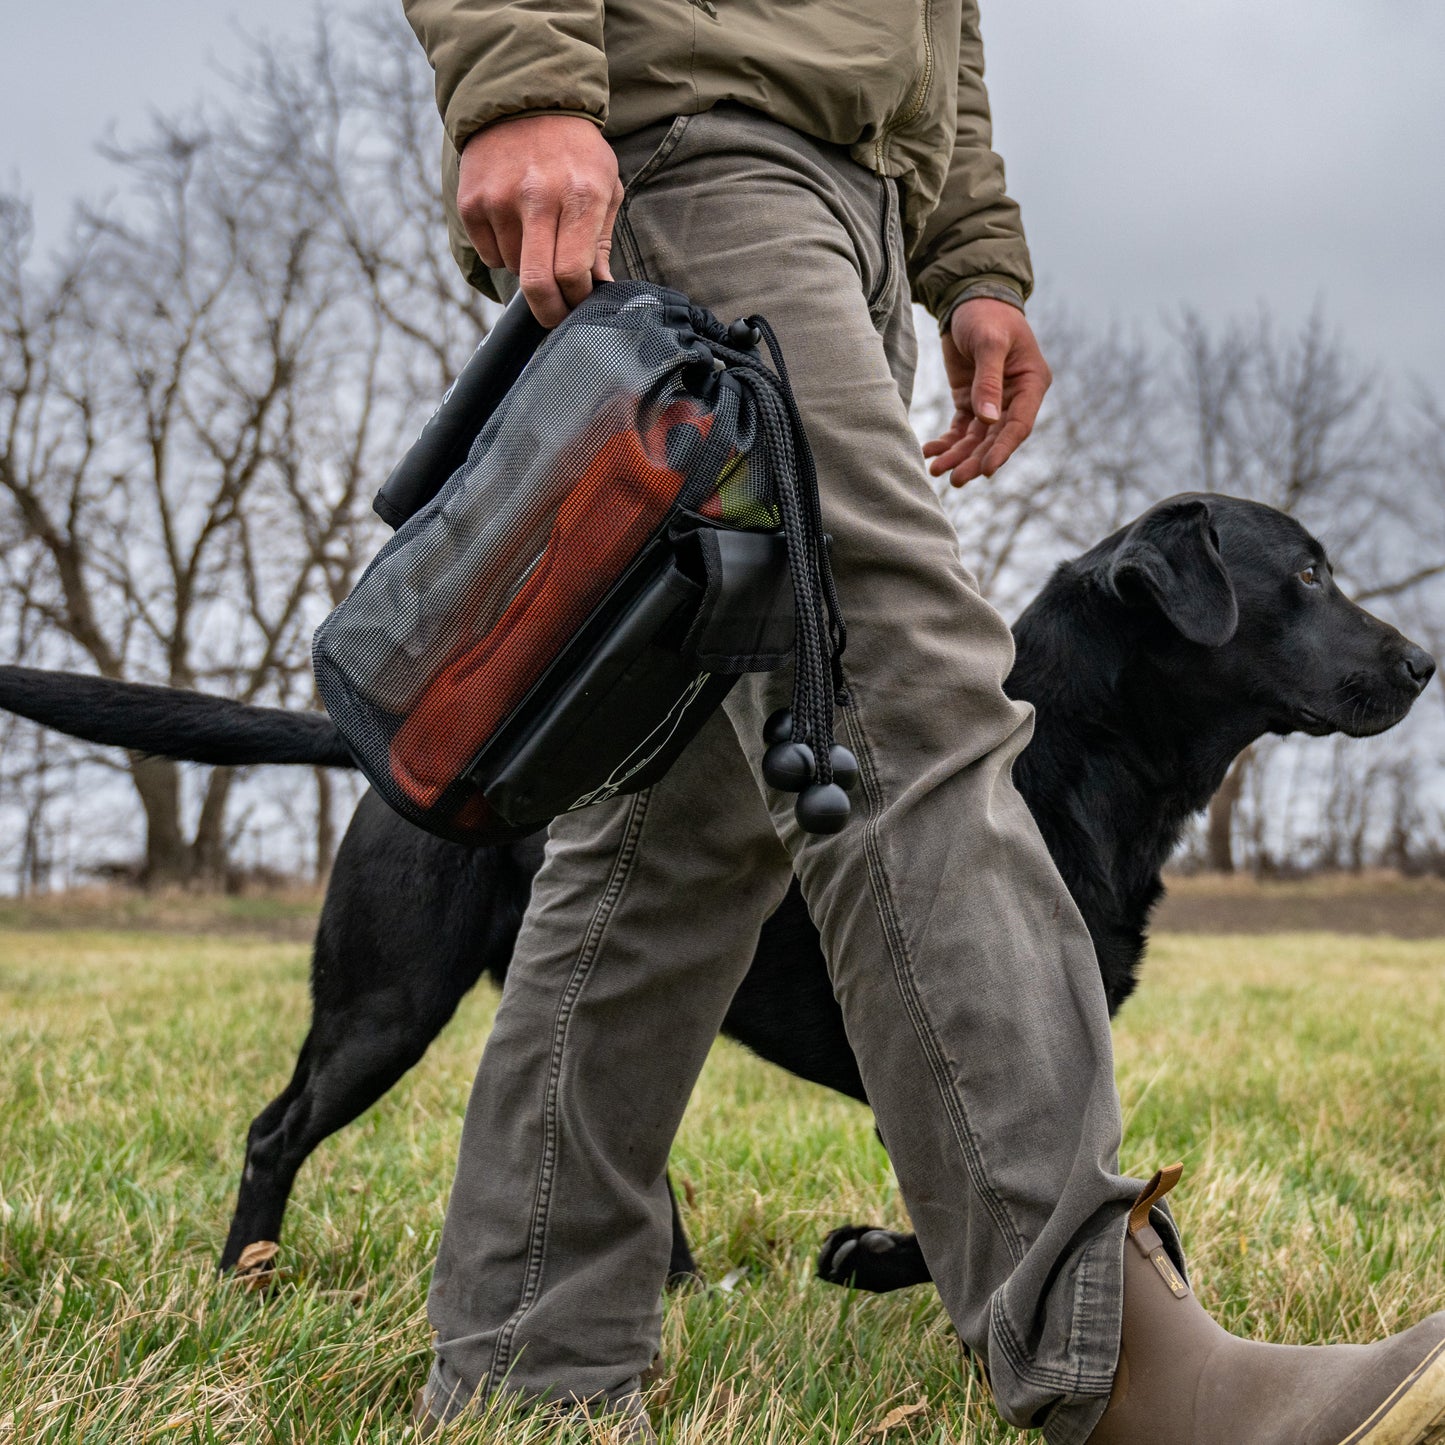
<point>998,378</point>
<point>538,195</point>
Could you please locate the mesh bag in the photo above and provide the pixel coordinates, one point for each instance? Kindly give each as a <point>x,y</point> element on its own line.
<point>632,526</point>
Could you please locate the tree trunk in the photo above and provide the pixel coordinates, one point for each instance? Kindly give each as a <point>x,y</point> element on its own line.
<point>33,873</point>
<point>1220,843</point>
<point>209,852</point>
<point>325,826</point>
<point>167,858</point>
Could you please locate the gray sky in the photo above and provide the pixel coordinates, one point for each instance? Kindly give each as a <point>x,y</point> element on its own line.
<point>1218,153</point>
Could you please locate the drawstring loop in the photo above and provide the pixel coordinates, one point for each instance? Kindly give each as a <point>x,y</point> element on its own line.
<point>802,755</point>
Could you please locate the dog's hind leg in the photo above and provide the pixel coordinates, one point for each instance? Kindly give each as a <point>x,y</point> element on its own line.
<point>409,924</point>
<point>261,1201</point>
<point>340,1073</point>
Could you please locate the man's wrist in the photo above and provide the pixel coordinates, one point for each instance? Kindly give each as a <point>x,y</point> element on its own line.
<point>468,135</point>
<point>993,287</point>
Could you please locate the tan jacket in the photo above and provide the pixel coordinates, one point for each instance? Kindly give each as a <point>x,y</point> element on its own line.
<point>900,82</point>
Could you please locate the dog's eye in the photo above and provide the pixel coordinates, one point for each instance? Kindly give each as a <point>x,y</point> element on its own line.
<point>1310,576</point>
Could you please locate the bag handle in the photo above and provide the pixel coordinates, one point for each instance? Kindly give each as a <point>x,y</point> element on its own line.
<point>445,440</point>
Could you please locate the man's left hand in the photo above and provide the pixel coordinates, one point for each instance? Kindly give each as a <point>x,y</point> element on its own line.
<point>998,377</point>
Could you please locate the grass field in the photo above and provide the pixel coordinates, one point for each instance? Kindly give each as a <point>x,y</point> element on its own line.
<point>1301,1077</point>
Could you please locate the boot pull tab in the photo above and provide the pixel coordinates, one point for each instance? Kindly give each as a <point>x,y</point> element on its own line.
<point>1146,1237</point>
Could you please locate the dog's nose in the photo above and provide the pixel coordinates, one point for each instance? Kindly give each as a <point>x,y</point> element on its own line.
<point>1415,667</point>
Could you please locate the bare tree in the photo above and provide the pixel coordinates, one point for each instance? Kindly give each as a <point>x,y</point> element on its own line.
<point>353,128</point>
<point>199,400</point>
<point>1087,468</point>
<point>143,420</point>
<point>199,397</point>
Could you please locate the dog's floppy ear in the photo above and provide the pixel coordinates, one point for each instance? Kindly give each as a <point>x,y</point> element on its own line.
<point>1171,555</point>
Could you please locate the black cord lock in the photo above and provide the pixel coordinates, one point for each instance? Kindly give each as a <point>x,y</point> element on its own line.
<point>792,768</point>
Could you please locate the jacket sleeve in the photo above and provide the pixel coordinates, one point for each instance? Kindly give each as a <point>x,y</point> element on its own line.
<point>973,244</point>
<point>495,59</point>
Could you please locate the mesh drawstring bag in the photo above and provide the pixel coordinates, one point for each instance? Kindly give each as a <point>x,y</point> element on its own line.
<point>600,530</point>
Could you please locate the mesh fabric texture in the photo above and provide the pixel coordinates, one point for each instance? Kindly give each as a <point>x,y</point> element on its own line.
<point>619,420</point>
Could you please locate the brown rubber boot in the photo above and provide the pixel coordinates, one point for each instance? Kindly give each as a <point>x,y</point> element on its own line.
<point>1181,1379</point>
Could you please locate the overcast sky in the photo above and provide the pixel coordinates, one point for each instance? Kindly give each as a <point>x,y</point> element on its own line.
<point>1216,154</point>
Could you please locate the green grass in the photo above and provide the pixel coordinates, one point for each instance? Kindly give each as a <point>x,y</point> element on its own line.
<point>1299,1076</point>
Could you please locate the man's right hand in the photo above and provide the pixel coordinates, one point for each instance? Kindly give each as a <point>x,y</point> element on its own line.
<point>538,195</point>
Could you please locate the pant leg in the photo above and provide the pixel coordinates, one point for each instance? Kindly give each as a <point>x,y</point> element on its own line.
<point>643,920</point>
<point>966,977</point>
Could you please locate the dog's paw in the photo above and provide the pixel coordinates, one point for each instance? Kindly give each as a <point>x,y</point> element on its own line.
<point>255,1266</point>
<point>876,1260</point>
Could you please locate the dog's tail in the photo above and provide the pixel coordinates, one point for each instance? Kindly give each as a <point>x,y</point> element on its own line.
<point>170,722</point>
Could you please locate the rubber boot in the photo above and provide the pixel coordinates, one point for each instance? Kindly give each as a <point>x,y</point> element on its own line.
<point>1182,1379</point>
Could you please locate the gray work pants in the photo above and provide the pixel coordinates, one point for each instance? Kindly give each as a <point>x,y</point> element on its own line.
<point>966,976</point>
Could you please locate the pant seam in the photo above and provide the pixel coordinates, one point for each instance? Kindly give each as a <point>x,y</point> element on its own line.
<point>1084,1317</point>
<point>1076,1381</point>
<point>546,1173</point>
<point>627,244</point>
<point>899,956</point>
<point>627,239</point>
<point>659,157</point>
<point>879,300</point>
<point>623,234</point>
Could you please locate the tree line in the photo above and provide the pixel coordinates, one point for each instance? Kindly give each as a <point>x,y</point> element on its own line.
<point>203,386</point>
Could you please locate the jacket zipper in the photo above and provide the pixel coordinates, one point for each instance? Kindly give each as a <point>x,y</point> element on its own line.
<point>920,92</point>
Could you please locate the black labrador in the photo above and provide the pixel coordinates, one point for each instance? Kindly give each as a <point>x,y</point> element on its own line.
<point>1151,660</point>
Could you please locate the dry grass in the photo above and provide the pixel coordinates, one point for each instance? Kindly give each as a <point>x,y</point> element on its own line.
<point>1375,902</point>
<point>279,913</point>
<point>1300,1076</point>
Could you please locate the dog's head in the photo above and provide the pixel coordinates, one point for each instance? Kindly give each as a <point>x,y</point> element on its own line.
<point>1237,600</point>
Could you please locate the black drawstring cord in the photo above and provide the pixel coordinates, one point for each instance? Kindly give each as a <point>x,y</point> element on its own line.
<point>838,631</point>
<point>820,631</point>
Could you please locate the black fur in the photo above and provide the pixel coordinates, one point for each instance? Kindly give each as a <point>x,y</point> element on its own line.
<point>1152,661</point>
<point>169,723</point>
